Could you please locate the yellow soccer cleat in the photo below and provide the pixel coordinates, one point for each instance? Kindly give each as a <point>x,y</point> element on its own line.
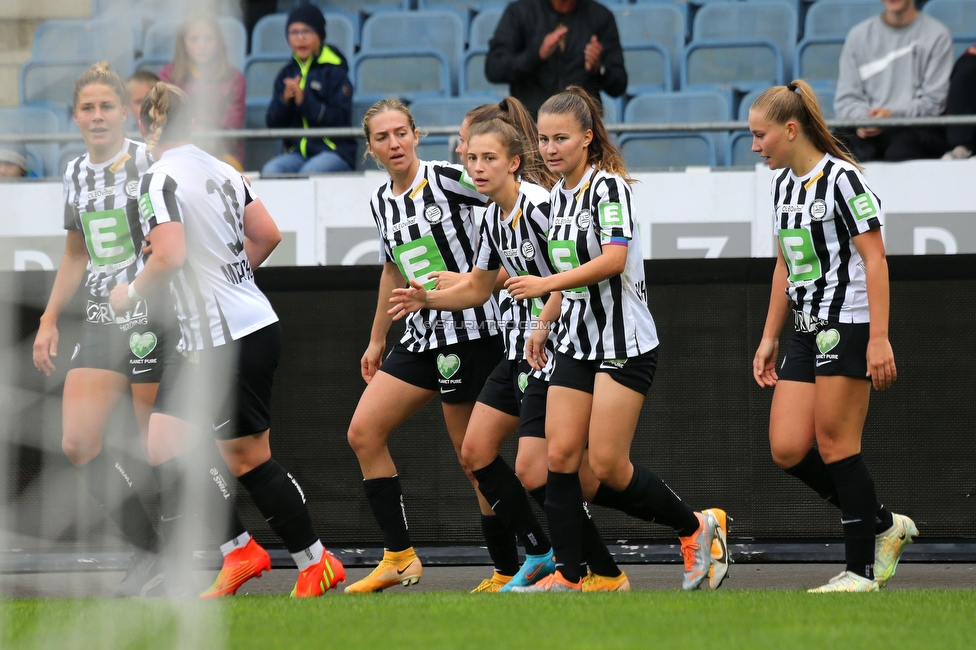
<point>845,581</point>
<point>240,565</point>
<point>492,585</point>
<point>400,567</point>
<point>596,582</point>
<point>889,545</point>
<point>719,569</point>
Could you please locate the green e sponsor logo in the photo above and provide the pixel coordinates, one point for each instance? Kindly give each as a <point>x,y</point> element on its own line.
<point>562,253</point>
<point>146,211</point>
<point>108,239</point>
<point>863,206</point>
<point>799,254</point>
<point>418,259</point>
<point>611,215</point>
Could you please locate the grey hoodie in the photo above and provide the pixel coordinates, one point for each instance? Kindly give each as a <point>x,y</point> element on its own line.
<point>903,69</point>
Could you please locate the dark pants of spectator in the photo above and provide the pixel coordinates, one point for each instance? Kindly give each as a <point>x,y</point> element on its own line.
<point>894,145</point>
<point>962,100</point>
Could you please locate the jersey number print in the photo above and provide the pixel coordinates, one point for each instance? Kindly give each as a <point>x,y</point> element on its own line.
<point>229,199</point>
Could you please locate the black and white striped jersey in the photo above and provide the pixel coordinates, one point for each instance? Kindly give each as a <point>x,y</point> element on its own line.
<point>610,319</point>
<point>216,297</point>
<point>817,218</point>
<point>517,241</point>
<point>101,201</point>
<point>429,228</point>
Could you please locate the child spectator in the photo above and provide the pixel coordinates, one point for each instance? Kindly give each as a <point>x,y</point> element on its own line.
<point>311,91</point>
<point>216,90</point>
<point>13,164</point>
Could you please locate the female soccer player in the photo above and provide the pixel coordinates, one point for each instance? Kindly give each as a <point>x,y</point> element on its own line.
<point>425,224</point>
<point>118,350</point>
<point>208,231</point>
<point>503,160</point>
<point>831,271</point>
<point>606,348</point>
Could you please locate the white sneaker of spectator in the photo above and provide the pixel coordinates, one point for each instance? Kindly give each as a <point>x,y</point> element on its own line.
<point>959,153</point>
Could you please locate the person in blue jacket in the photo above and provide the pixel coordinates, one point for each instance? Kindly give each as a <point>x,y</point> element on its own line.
<point>311,91</point>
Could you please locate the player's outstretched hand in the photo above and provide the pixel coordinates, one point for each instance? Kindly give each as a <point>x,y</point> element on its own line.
<point>881,363</point>
<point>406,301</point>
<point>46,347</point>
<point>523,287</point>
<point>764,363</point>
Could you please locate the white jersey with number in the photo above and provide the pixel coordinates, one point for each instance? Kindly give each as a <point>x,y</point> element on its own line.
<point>610,319</point>
<point>101,201</point>
<point>216,297</point>
<point>517,242</point>
<point>429,228</point>
<point>817,217</point>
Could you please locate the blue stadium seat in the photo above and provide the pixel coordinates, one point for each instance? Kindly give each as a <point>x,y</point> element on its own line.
<point>449,111</point>
<point>49,84</point>
<point>260,72</point>
<point>160,40</point>
<point>85,41</point>
<point>835,18</point>
<point>648,68</point>
<point>818,59</point>
<point>153,65</point>
<point>757,20</point>
<point>661,24</point>
<point>355,6</point>
<point>405,74</point>
<point>613,111</point>
<point>472,77</point>
<point>740,65</point>
<point>269,35</point>
<point>441,31</point>
<point>962,43</point>
<point>675,149</point>
<point>29,119</point>
<point>958,15</point>
<point>483,27</point>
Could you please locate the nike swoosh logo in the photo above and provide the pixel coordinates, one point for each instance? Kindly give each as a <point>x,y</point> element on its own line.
<point>529,577</point>
<point>447,390</point>
<point>849,521</point>
<point>902,537</point>
<point>820,363</point>
<point>400,571</point>
<point>218,427</point>
<point>139,372</point>
<point>161,518</point>
<point>723,556</point>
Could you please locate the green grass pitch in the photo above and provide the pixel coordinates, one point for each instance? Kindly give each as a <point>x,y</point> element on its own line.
<point>927,620</point>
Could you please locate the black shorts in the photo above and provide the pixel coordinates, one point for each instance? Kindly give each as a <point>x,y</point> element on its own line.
<point>636,373</point>
<point>512,389</point>
<point>238,379</point>
<point>829,349</point>
<point>532,419</point>
<point>457,372</point>
<point>135,345</point>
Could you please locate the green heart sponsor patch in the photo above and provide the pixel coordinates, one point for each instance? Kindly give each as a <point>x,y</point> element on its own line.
<point>448,365</point>
<point>523,381</point>
<point>827,340</point>
<point>142,344</point>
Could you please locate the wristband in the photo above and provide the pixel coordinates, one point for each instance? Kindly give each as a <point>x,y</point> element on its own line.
<point>134,295</point>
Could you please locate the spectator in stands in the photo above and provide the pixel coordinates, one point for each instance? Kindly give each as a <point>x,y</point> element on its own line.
<point>311,91</point>
<point>215,88</point>
<point>137,86</point>
<point>541,47</point>
<point>896,64</point>
<point>962,101</point>
<point>13,164</point>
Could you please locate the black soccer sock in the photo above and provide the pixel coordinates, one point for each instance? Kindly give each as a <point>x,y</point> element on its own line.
<point>564,510</point>
<point>502,489</point>
<point>813,472</point>
<point>386,500</point>
<point>221,503</point>
<point>280,499</point>
<point>539,496</point>
<point>502,545</point>
<point>110,485</point>
<point>594,551</point>
<point>649,498</point>
<point>858,504</point>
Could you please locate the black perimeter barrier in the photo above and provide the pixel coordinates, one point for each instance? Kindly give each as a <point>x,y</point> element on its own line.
<point>703,428</point>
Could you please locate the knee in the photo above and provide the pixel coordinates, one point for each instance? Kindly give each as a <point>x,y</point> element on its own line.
<point>786,458</point>
<point>80,452</point>
<point>608,470</point>
<point>532,475</point>
<point>472,455</point>
<point>363,439</point>
<point>564,460</point>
